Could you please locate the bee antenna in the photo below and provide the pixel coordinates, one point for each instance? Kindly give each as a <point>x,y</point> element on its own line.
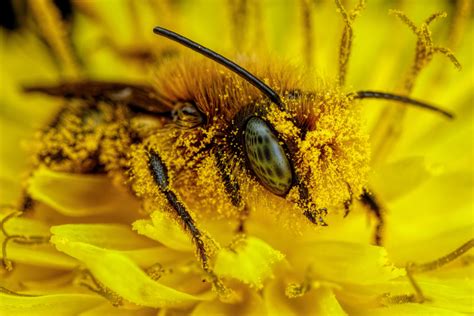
<point>399,98</point>
<point>265,89</point>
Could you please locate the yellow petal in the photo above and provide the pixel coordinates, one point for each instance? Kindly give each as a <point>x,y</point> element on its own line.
<point>251,305</point>
<point>345,262</point>
<point>453,294</point>
<point>447,292</point>
<point>320,301</point>
<point>13,158</point>
<point>415,171</point>
<point>109,309</point>
<point>121,275</point>
<point>164,229</point>
<point>39,255</point>
<point>79,195</point>
<point>446,141</point>
<point>406,309</point>
<point>44,281</point>
<point>25,226</point>
<point>142,251</point>
<point>110,236</point>
<point>57,304</point>
<point>418,250</point>
<point>249,260</point>
<point>442,204</point>
<point>148,257</point>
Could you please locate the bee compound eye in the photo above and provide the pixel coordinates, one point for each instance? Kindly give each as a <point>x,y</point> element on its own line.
<point>267,157</point>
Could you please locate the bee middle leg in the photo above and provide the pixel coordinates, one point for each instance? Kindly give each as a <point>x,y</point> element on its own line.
<point>160,174</point>
<point>370,201</point>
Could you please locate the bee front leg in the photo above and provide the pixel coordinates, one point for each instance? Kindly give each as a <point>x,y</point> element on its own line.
<point>348,203</point>
<point>311,211</point>
<point>232,187</point>
<point>160,174</point>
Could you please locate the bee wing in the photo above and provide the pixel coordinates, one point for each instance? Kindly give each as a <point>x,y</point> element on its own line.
<point>141,98</point>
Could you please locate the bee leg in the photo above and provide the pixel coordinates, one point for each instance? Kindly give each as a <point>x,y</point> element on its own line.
<point>368,199</point>
<point>160,174</point>
<point>348,202</point>
<point>316,217</point>
<point>27,203</point>
<point>232,188</point>
<point>314,214</point>
<point>244,213</point>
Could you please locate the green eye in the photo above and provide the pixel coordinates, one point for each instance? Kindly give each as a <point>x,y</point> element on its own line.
<point>267,157</point>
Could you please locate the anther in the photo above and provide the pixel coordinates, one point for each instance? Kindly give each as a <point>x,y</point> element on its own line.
<point>412,268</point>
<point>90,282</point>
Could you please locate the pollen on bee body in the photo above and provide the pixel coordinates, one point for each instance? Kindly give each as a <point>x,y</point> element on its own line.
<point>330,148</point>
<point>336,163</point>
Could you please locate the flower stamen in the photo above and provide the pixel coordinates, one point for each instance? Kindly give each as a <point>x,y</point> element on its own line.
<point>388,129</point>
<point>347,37</point>
<point>19,239</point>
<point>90,282</point>
<point>425,49</point>
<point>10,292</point>
<point>54,31</point>
<point>6,219</point>
<point>412,268</point>
<point>460,22</point>
<point>8,264</point>
<point>156,271</point>
<point>438,263</point>
<point>308,31</point>
<point>294,290</point>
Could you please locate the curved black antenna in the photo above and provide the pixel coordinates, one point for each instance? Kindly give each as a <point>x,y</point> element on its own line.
<point>399,98</point>
<point>272,95</point>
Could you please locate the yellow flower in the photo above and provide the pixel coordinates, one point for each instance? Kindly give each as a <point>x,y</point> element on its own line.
<point>106,242</point>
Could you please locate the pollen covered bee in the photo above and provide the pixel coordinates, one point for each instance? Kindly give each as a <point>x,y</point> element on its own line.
<point>210,136</point>
<point>222,149</point>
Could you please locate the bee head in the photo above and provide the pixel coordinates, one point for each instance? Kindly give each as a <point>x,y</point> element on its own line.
<point>314,152</point>
<point>307,147</point>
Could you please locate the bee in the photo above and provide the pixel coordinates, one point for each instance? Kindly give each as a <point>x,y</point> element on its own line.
<point>211,134</point>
